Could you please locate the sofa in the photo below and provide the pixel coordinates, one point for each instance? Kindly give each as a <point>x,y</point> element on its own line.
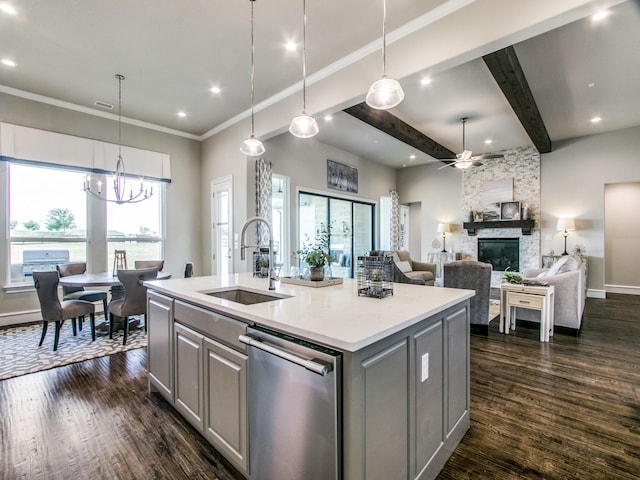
<point>406,270</point>
<point>568,276</point>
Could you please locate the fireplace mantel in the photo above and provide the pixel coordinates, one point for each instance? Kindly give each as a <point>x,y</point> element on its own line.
<point>525,225</point>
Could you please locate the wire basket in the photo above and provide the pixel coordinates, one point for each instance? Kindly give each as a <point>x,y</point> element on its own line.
<point>375,275</point>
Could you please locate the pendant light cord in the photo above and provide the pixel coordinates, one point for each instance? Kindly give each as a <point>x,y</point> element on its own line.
<point>252,68</point>
<point>384,37</point>
<point>120,78</point>
<point>304,55</point>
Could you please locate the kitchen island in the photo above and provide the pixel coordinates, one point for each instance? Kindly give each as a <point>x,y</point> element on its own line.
<point>402,398</point>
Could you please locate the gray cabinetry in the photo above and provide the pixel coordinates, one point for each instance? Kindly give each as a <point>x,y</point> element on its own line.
<point>225,381</point>
<point>160,351</point>
<point>406,400</point>
<point>189,398</point>
<point>211,379</point>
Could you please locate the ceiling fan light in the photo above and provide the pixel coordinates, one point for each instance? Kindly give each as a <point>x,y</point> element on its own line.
<point>384,94</point>
<point>303,126</point>
<point>252,146</point>
<point>463,164</point>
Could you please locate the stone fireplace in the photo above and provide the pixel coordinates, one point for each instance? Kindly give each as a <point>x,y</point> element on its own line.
<point>523,166</point>
<point>502,253</point>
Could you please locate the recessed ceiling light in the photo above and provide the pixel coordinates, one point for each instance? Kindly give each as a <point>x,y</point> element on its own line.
<point>182,114</point>
<point>404,165</point>
<point>328,118</point>
<point>291,46</point>
<point>215,89</point>
<point>596,119</point>
<point>8,62</point>
<point>425,81</point>
<point>488,141</point>
<point>412,157</point>
<point>7,8</point>
<point>602,14</point>
<point>591,85</point>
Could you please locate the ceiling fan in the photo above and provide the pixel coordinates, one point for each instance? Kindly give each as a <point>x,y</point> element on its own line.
<point>466,159</point>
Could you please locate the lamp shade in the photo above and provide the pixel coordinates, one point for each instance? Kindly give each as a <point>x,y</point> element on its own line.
<point>252,146</point>
<point>444,228</point>
<point>303,126</point>
<point>566,224</point>
<point>384,94</point>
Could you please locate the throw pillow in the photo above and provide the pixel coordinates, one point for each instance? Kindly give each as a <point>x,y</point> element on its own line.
<point>404,267</point>
<point>396,257</point>
<point>572,263</point>
<point>555,268</point>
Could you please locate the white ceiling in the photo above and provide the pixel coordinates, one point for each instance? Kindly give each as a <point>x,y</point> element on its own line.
<point>173,52</point>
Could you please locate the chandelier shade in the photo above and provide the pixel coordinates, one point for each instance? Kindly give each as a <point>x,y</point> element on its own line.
<point>252,146</point>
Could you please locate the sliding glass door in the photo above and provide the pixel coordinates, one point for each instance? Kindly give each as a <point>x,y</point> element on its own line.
<point>351,223</point>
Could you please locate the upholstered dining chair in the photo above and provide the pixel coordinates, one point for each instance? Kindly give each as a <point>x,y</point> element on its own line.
<point>135,298</point>
<point>79,293</point>
<point>53,310</point>
<point>159,264</point>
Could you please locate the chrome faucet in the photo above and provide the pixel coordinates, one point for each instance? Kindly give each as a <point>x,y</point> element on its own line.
<point>270,245</point>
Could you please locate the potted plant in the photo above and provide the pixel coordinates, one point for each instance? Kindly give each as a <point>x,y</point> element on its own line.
<point>511,277</point>
<point>316,253</point>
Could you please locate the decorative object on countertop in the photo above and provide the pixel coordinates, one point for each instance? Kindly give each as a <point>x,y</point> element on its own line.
<point>375,275</point>
<point>316,254</point>
<point>327,282</point>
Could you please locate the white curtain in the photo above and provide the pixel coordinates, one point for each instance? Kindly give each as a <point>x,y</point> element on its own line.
<point>263,197</point>
<point>395,220</point>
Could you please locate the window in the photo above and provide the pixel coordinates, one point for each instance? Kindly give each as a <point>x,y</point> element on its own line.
<point>136,228</point>
<point>47,219</point>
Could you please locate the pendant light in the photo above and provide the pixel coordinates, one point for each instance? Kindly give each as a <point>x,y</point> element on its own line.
<point>385,93</point>
<point>252,146</point>
<point>304,126</point>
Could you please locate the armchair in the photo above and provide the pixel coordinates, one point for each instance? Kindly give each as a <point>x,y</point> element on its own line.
<point>476,276</point>
<point>406,270</point>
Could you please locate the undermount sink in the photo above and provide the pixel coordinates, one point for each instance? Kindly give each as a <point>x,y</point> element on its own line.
<point>245,297</point>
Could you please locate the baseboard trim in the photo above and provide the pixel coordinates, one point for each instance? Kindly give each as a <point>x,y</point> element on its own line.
<point>17,318</point>
<point>624,289</point>
<point>593,293</point>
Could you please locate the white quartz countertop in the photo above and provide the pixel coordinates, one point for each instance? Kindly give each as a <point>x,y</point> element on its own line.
<point>334,316</point>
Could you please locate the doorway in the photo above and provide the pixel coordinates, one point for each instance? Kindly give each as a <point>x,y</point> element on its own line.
<point>222,225</point>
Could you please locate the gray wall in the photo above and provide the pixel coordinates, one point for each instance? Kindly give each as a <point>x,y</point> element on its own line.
<point>183,240</point>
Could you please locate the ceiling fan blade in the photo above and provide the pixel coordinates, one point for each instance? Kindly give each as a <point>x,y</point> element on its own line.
<point>451,164</point>
<point>488,156</point>
<point>476,164</point>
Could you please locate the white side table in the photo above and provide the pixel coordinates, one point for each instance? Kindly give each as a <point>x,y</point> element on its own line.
<point>527,296</point>
<point>440,258</point>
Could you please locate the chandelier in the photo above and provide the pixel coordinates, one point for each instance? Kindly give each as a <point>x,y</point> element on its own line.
<point>120,174</point>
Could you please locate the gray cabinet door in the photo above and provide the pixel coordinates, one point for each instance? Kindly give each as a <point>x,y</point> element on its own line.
<point>226,427</point>
<point>189,391</point>
<point>160,351</point>
<point>457,353</point>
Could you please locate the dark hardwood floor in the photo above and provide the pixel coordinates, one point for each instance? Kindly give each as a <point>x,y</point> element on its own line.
<point>569,409</point>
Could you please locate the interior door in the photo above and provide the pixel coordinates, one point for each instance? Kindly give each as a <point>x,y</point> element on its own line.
<point>222,226</point>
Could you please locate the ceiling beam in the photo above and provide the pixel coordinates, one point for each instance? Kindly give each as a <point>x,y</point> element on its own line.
<point>506,70</point>
<point>392,125</point>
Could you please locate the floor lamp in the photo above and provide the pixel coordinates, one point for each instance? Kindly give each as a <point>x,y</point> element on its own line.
<point>565,225</point>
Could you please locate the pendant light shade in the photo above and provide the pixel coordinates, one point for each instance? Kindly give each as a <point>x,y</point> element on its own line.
<point>304,126</point>
<point>252,146</point>
<point>385,93</point>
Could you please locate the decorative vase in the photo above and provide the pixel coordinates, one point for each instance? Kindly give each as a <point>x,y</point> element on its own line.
<point>317,274</point>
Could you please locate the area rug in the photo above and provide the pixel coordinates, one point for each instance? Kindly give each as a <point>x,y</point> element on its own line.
<point>20,354</point>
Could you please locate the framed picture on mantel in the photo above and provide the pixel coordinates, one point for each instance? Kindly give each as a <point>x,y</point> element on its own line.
<point>510,211</point>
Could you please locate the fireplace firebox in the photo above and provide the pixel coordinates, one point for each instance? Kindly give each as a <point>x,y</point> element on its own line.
<point>502,253</point>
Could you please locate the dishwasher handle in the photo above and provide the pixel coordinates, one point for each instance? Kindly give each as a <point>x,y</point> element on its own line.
<point>315,367</point>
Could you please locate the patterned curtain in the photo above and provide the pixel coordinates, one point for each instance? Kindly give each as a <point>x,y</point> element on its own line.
<point>263,198</point>
<point>395,220</point>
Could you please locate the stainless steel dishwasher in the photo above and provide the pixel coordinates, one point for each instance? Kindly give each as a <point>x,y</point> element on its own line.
<point>294,411</point>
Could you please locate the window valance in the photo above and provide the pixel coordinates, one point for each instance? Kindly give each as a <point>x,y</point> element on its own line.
<point>32,145</point>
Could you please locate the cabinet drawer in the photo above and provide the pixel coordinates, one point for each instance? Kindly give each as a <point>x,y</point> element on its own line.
<point>524,300</point>
<point>212,324</point>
